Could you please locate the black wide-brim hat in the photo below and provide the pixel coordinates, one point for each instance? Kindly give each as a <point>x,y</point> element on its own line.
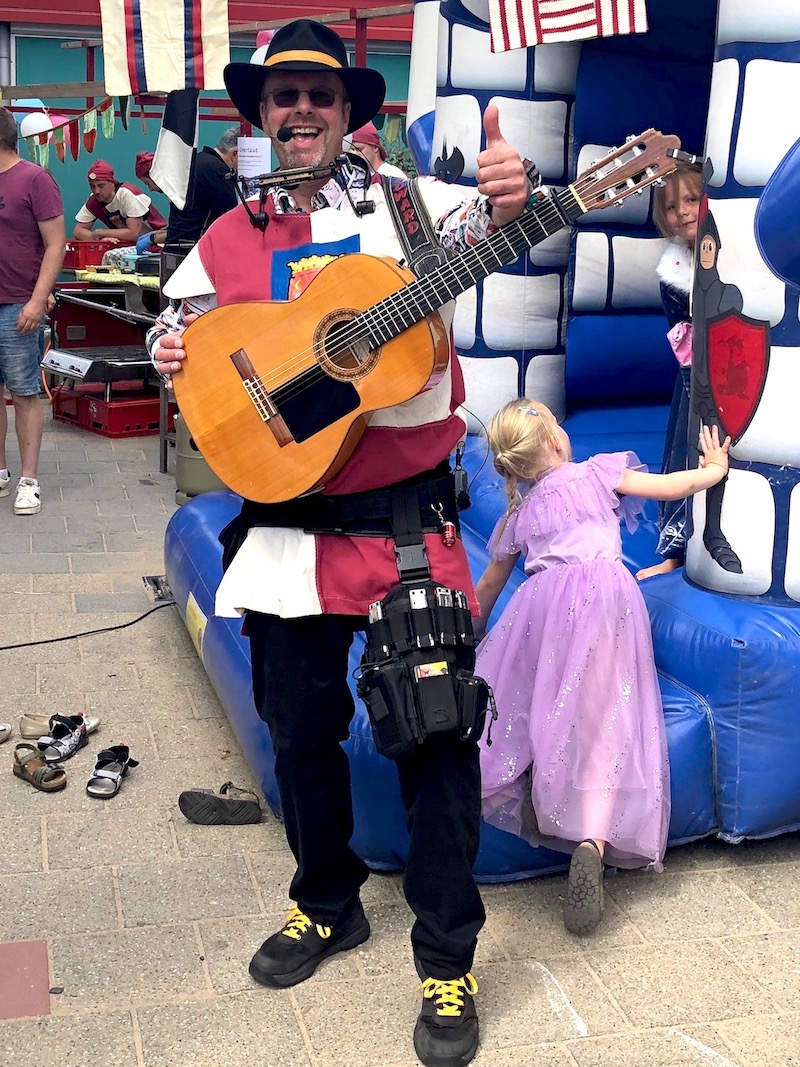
<point>305,45</point>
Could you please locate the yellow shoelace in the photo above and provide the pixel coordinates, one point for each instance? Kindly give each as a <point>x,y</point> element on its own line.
<point>297,922</point>
<point>447,994</point>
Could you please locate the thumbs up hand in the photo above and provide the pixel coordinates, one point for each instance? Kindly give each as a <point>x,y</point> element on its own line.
<point>501,173</point>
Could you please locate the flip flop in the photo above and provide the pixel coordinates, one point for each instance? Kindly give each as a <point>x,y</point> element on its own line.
<point>110,768</point>
<point>31,768</point>
<point>36,726</point>
<point>231,806</point>
<point>67,735</point>
<point>583,905</point>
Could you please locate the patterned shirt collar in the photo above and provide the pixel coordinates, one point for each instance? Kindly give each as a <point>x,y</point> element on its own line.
<point>330,195</point>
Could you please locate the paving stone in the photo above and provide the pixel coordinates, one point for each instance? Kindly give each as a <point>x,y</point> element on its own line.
<point>222,1032</point>
<point>76,1041</point>
<point>46,563</point>
<point>98,602</point>
<point>49,904</point>
<point>774,889</point>
<point>70,583</point>
<point>18,603</point>
<point>156,966</point>
<point>180,891</point>
<point>677,907</point>
<point>772,960</point>
<point>678,984</point>
<point>110,675</point>
<point>526,920</point>
<point>685,1047</point>
<point>195,841</point>
<point>768,1042</point>
<point>107,837</point>
<point>22,842</point>
<point>77,540</point>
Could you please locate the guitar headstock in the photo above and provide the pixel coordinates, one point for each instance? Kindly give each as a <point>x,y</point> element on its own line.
<point>638,163</point>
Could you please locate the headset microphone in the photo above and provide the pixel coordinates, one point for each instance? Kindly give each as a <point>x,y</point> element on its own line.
<point>284,134</point>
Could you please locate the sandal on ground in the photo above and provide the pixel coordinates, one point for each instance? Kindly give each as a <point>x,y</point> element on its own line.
<point>231,806</point>
<point>31,768</point>
<point>110,768</point>
<point>583,906</point>
<point>67,735</point>
<point>5,731</point>
<point>36,726</point>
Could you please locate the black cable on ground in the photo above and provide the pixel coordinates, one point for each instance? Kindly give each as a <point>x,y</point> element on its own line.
<point>88,633</point>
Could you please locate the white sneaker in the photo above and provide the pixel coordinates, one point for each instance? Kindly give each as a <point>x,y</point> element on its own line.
<point>29,499</point>
<point>5,486</point>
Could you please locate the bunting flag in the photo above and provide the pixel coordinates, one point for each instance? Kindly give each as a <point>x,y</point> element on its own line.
<point>522,23</point>
<point>90,129</point>
<point>158,47</point>
<point>177,141</point>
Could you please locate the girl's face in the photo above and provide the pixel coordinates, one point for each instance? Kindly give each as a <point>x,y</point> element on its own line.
<point>680,210</point>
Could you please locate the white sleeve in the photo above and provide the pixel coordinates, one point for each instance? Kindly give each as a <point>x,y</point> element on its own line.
<point>132,205</point>
<point>85,216</point>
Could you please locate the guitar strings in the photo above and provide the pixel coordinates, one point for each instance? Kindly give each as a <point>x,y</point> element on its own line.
<point>544,214</point>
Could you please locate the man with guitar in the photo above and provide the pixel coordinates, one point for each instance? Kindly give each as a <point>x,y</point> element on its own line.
<point>303,567</point>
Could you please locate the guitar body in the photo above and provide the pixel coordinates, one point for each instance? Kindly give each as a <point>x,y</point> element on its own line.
<point>314,379</point>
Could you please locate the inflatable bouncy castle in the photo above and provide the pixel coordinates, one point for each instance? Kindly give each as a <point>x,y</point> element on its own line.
<point>578,323</point>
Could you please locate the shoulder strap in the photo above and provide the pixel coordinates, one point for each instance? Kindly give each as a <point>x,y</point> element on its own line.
<point>413,224</point>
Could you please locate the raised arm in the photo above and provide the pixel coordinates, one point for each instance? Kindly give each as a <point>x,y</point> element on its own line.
<point>678,484</point>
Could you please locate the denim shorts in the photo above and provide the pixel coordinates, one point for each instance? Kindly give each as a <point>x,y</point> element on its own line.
<point>20,354</point>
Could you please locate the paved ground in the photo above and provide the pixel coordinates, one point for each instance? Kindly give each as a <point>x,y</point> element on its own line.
<point>142,924</point>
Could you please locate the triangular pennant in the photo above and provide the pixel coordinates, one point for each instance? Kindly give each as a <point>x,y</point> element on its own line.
<point>75,138</point>
<point>90,129</point>
<point>124,111</point>
<point>107,122</point>
<point>42,153</point>
<point>58,141</point>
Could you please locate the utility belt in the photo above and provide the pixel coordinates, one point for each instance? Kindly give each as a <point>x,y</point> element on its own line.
<point>417,673</point>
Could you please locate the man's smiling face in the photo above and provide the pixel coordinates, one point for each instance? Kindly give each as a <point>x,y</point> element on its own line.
<point>312,105</point>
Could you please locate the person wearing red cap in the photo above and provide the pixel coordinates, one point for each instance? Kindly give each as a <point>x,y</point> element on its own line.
<point>367,142</point>
<point>122,209</point>
<point>305,594</point>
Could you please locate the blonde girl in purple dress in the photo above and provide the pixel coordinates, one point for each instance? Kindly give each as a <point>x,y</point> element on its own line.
<point>578,759</point>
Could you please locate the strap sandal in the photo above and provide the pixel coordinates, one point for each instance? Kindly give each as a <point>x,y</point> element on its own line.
<point>31,767</point>
<point>67,736</point>
<point>110,768</point>
<point>231,806</point>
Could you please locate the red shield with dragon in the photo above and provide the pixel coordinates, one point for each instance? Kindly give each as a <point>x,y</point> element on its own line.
<point>738,357</point>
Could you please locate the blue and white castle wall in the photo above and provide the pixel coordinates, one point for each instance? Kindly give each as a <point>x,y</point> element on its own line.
<point>509,329</point>
<point>753,120</point>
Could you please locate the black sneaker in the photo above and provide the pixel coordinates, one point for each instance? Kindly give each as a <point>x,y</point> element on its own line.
<point>295,952</point>
<point>446,1034</point>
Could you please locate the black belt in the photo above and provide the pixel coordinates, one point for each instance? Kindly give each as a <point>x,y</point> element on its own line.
<point>366,514</point>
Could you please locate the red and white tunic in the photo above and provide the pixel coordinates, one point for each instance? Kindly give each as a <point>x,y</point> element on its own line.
<point>287,572</point>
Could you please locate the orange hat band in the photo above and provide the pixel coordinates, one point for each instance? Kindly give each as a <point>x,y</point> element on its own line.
<point>303,56</point>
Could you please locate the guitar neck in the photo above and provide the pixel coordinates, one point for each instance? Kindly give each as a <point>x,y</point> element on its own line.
<point>396,313</point>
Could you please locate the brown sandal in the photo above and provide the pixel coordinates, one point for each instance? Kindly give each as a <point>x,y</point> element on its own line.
<point>31,767</point>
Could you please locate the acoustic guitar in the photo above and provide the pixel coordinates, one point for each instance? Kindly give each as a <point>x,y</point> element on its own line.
<point>276,394</point>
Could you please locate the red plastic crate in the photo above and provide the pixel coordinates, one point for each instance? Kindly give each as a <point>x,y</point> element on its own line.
<point>81,254</point>
<point>123,417</point>
<point>70,404</point>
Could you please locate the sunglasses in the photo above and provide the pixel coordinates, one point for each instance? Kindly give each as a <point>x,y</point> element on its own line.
<point>289,97</point>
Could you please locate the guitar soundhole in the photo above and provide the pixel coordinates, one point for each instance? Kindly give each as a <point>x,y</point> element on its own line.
<point>342,347</point>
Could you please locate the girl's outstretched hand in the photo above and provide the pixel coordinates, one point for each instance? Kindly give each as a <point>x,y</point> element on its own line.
<point>714,454</point>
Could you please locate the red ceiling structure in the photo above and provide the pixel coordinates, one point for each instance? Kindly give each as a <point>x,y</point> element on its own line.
<point>86,14</point>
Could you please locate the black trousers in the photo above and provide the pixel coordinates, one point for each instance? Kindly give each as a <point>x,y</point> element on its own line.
<point>300,671</point>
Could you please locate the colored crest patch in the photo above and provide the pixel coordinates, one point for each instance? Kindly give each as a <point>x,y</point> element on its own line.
<point>738,357</point>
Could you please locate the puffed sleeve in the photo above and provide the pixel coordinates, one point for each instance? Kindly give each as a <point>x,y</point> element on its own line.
<point>608,470</point>
<point>503,542</point>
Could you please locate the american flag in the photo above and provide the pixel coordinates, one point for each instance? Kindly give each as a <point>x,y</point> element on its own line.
<point>522,23</point>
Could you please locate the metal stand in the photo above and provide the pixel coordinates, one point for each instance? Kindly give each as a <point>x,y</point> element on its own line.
<point>166,437</point>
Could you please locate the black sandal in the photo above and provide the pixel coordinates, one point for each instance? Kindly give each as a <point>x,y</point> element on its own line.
<point>231,806</point>
<point>67,736</point>
<point>110,768</point>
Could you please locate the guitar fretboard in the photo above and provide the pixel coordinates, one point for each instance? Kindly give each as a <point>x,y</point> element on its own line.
<point>396,313</point>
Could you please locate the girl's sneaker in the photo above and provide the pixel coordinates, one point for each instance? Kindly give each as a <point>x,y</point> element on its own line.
<point>29,499</point>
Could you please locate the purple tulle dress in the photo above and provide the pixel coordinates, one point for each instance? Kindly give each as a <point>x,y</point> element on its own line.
<point>580,723</point>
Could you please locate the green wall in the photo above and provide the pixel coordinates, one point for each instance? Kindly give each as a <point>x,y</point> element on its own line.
<point>41,60</point>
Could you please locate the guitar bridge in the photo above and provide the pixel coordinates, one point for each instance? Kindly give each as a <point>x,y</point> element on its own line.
<point>260,398</point>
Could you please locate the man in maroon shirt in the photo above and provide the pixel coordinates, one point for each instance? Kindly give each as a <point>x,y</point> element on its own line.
<point>33,241</point>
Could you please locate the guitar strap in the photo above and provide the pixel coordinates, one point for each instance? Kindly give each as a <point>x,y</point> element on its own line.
<point>413,224</point>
